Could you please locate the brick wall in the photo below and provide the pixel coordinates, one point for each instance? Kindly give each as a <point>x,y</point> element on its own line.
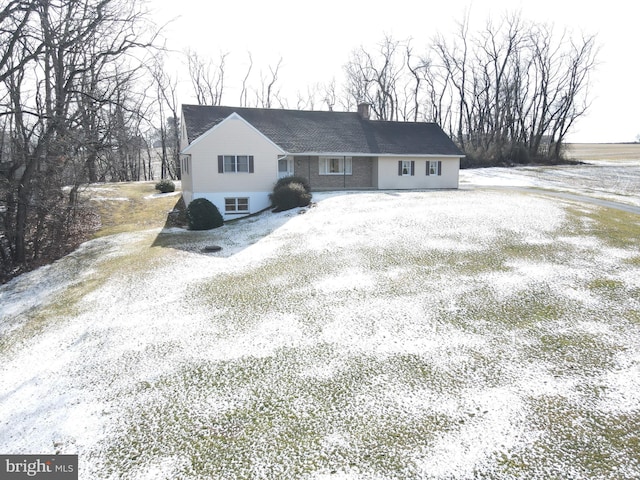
<point>362,174</point>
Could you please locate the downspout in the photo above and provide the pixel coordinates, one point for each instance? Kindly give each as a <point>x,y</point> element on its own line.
<point>344,172</point>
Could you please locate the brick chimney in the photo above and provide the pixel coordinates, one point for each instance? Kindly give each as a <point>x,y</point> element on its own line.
<point>363,110</point>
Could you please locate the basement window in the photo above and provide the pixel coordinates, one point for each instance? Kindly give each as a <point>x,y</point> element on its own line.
<point>236,205</point>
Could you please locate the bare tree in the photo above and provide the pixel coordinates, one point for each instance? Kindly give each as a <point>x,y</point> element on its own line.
<point>308,100</point>
<point>243,92</point>
<point>169,132</point>
<point>18,49</point>
<point>413,95</point>
<point>267,94</point>
<point>110,113</point>
<point>514,88</point>
<point>207,78</point>
<point>373,77</point>
<point>329,96</point>
<point>49,51</point>
<point>454,59</point>
<point>498,47</point>
<point>574,103</point>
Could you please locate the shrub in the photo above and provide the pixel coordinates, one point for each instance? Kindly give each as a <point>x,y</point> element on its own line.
<point>293,179</point>
<point>290,192</point>
<point>166,186</point>
<point>203,215</point>
<point>519,154</point>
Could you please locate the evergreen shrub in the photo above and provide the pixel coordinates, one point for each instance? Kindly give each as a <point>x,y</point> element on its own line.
<point>165,186</point>
<point>290,192</point>
<point>203,215</point>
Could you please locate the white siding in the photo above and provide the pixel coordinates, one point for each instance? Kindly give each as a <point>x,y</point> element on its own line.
<point>257,201</point>
<point>233,136</point>
<point>388,178</point>
<point>186,179</point>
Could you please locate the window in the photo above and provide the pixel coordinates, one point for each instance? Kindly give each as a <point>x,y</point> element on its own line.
<point>186,164</point>
<point>285,167</point>
<point>434,168</point>
<point>406,167</point>
<point>335,165</point>
<point>236,205</point>
<point>235,163</point>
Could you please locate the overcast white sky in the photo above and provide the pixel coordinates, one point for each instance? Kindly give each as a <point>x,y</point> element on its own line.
<point>314,40</point>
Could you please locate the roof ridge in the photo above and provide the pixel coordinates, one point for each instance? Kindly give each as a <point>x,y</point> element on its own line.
<point>297,131</point>
<point>267,109</point>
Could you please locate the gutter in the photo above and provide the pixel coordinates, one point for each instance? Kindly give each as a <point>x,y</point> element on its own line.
<point>360,154</point>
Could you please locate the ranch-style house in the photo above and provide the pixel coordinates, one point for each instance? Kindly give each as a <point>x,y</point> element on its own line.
<point>233,156</point>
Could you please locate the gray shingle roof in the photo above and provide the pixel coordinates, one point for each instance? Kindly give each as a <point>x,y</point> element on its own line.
<point>303,131</point>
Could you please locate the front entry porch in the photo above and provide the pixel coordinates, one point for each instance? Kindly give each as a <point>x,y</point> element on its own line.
<point>285,167</point>
<point>337,172</point>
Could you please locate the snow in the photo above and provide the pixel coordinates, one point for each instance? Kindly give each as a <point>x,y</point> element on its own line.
<point>390,276</point>
<point>109,199</point>
<point>606,179</point>
<point>161,195</point>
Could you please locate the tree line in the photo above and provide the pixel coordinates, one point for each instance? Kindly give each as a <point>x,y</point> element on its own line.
<point>86,96</point>
<point>509,91</point>
<point>72,111</point>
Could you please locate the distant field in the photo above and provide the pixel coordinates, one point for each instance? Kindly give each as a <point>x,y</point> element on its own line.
<point>604,151</point>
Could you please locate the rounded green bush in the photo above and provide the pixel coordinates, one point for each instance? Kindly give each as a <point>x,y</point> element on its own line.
<point>203,215</point>
<point>165,186</point>
<point>290,195</point>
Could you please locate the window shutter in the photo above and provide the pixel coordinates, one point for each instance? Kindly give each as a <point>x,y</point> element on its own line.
<point>220,164</point>
<point>413,168</point>
<point>400,167</point>
<point>250,163</point>
<point>439,167</point>
<point>428,167</point>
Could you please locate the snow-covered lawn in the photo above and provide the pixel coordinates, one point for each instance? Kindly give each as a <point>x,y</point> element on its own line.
<point>614,180</point>
<point>478,333</point>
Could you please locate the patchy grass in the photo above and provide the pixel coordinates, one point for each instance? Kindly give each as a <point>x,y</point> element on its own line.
<point>232,420</point>
<point>130,207</point>
<point>123,208</point>
<point>368,362</point>
<point>495,338</point>
<point>614,228</point>
<point>575,437</point>
<point>88,270</point>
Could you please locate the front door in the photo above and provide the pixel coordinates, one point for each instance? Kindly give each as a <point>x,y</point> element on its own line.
<point>285,167</point>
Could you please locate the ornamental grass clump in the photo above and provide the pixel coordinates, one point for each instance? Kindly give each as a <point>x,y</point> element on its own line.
<point>203,215</point>
<point>290,192</point>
